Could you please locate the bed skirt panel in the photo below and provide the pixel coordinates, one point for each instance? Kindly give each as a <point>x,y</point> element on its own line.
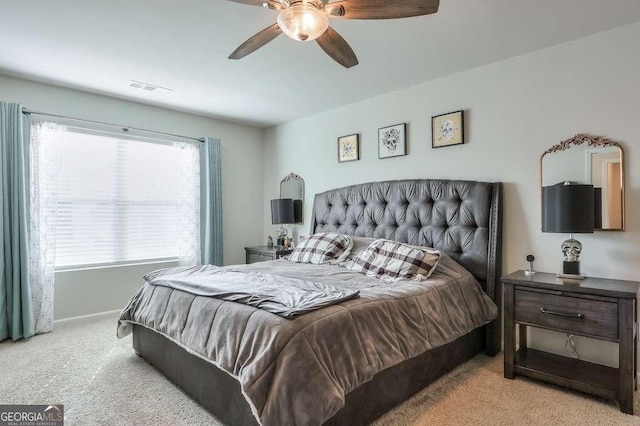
<point>221,394</point>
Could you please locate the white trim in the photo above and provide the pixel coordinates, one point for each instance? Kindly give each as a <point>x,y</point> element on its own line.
<point>589,165</point>
<point>83,317</point>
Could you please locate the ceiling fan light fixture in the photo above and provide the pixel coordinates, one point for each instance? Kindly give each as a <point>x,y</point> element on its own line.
<point>303,22</point>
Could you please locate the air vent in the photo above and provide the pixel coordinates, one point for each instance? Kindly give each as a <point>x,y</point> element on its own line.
<point>148,87</point>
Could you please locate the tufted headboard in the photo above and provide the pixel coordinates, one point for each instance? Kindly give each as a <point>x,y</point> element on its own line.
<point>460,218</point>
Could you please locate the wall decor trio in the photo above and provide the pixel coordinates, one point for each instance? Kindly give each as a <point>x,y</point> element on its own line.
<point>446,130</point>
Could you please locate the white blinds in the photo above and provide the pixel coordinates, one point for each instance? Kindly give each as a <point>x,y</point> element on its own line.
<point>122,200</point>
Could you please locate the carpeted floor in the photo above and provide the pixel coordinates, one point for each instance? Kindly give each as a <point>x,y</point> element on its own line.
<point>100,380</point>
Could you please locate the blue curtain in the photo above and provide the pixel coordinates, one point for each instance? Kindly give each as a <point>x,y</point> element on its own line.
<point>16,310</point>
<point>210,202</point>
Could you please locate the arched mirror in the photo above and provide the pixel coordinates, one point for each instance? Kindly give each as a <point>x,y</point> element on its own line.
<point>590,160</point>
<point>292,186</point>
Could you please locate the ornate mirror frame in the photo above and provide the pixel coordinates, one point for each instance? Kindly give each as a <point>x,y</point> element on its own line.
<point>290,178</point>
<point>591,142</point>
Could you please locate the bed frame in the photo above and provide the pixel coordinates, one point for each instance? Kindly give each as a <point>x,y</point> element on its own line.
<point>461,218</point>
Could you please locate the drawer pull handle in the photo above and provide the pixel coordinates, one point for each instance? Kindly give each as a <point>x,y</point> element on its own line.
<point>562,314</point>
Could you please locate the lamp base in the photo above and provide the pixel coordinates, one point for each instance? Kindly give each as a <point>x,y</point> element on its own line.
<point>571,249</point>
<point>571,267</point>
<point>571,270</point>
<point>281,234</point>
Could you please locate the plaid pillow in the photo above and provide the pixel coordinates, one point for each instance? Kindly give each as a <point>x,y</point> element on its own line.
<point>394,261</point>
<point>322,248</point>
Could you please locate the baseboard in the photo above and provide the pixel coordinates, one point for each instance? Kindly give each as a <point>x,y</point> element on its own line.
<point>84,317</point>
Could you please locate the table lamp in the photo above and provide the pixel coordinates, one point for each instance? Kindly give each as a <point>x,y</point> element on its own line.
<point>569,207</point>
<point>282,212</point>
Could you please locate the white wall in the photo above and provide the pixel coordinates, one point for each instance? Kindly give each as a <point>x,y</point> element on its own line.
<point>85,292</point>
<point>515,109</point>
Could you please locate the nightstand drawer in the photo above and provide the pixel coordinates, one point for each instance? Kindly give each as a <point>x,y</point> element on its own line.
<point>253,257</point>
<point>264,253</point>
<point>566,313</point>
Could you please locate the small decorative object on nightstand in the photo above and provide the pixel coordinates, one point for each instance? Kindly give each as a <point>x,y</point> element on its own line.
<point>594,307</point>
<point>263,253</point>
<point>530,271</point>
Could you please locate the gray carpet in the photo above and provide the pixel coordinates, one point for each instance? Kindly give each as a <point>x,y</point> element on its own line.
<point>100,380</point>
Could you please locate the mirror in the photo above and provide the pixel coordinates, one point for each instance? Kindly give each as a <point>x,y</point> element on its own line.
<point>292,186</point>
<point>592,160</point>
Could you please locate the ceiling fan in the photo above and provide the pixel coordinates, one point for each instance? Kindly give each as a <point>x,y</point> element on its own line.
<point>307,20</point>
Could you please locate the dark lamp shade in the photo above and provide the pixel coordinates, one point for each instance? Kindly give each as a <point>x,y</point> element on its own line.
<point>568,209</point>
<point>282,211</point>
<point>597,208</point>
<point>297,211</point>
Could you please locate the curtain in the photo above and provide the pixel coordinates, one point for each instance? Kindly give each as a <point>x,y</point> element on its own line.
<point>211,202</point>
<point>45,166</point>
<point>189,247</point>
<point>16,307</point>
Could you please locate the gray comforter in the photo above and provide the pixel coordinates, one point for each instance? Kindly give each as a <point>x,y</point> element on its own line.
<point>284,296</point>
<point>297,372</point>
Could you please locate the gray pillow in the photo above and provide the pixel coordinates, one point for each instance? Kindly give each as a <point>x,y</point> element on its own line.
<point>360,244</point>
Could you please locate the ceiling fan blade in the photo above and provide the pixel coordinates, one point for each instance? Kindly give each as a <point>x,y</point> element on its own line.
<point>256,42</point>
<point>269,4</point>
<point>335,46</point>
<point>249,2</point>
<point>381,9</point>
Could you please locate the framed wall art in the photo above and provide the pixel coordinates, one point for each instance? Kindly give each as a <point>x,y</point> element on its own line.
<point>348,148</point>
<point>447,129</point>
<point>392,141</point>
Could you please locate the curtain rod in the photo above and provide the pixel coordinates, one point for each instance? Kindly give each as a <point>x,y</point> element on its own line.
<point>124,128</point>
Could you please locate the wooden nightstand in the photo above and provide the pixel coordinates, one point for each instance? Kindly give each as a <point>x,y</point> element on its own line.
<point>594,307</point>
<point>262,253</point>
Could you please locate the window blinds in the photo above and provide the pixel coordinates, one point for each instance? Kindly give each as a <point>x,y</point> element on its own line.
<point>122,200</point>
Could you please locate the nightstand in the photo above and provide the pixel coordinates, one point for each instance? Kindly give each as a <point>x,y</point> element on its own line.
<point>262,253</point>
<point>594,307</point>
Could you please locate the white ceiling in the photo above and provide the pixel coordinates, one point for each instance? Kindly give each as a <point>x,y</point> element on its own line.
<point>100,45</point>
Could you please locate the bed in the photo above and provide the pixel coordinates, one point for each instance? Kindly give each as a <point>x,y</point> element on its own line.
<point>459,218</point>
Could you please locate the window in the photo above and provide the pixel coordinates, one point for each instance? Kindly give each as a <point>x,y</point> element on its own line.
<point>122,200</point>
